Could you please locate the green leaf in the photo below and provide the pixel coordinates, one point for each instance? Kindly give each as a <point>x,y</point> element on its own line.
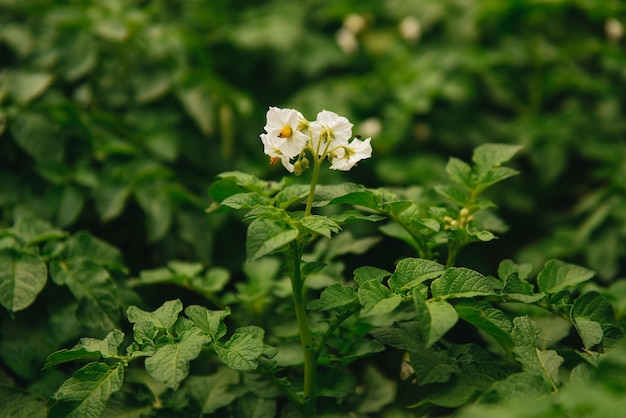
<point>359,349</point>
<point>248,200</point>
<point>460,282</point>
<point>158,209</point>
<point>212,281</point>
<point>241,351</point>
<point>209,322</point>
<point>478,371</point>
<point>164,317</point>
<point>460,172</point>
<point>18,403</point>
<point>453,193</point>
<point>26,86</point>
<point>516,289</point>
<point>353,216</point>
<point>197,102</point>
<point>432,366</point>
<point>84,395</point>
<point>233,182</point>
<point>590,331</point>
<point>88,349</point>
<point>442,318</point>
<point>23,276</point>
<point>367,273</point>
<point>170,362</point>
<point>593,316</point>
<point>347,193</point>
<point>291,194</point>
<point>493,176</point>
<point>379,391</point>
<point>38,136</point>
<point>185,268</point>
<point>376,299</point>
<point>534,361</point>
<point>406,336</point>
<point>413,271</point>
<point>266,236</point>
<point>558,275</point>
<point>490,320</point>
<point>251,406</point>
<point>214,391</point>
<point>481,234</point>
<point>333,297</point>
<point>83,245</point>
<point>32,231</point>
<point>517,385</point>
<point>507,267</point>
<point>110,198</point>
<point>95,290</point>
<point>488,156</point>
<point>72,202</point>
<point>320,225</point>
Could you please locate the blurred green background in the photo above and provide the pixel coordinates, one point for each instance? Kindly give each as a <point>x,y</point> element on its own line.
<point>115,115</point>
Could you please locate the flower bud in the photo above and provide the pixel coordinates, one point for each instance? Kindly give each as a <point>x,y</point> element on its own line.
<point>297,168</point>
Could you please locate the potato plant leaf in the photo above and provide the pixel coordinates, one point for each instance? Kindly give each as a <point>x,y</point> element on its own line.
<point>533,360</point>
<point>266,236</point>
<point>170,362</point>
<point>406,336</point>
<point>333,297</point>
<point>214,391</point>
<point>209,322</point>
<point>23,276</point>
<point>488,156</point>
<point>490,320</point>
<point>241,351</point>
<point>413,271</point>
<point>85,394</point>
<point>93,287</point>
<point>460,282</point>
<point>593,315</point>
<point>19,403</point>
<point>376,299</point>
<point>88,349</point>
<point>558,275</point>
<point>162,318</point>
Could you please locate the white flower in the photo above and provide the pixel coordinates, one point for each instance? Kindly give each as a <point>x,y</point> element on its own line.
<point>345,157</point>
<point>271,147</point>
<point>329,131</point>
<point>282,138</point>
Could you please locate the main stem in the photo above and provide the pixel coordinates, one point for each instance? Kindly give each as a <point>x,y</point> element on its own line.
<point>306,341</point>
<point>317,163</point>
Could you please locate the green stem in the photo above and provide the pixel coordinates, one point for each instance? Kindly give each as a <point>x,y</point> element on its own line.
<point>317,163</point>
<point>306,341</point>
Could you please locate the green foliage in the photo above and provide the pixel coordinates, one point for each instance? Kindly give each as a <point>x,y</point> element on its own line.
<point>121,296</point>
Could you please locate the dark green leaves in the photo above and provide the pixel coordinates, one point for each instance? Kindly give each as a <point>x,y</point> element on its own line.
<point>461,282</point>
<point>94,289</point>
<point>266,236</point>
<point>487,170</point>
<point>85,394</point>
<point>557,276</point>
<point>22,276</point>
<point>170,362</point>
<point>89,349</point>
<point>242,350</point>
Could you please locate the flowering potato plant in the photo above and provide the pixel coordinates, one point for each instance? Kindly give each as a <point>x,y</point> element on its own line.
<point>299,338</point>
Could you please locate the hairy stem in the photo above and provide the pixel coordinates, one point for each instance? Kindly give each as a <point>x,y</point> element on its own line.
<point>317,163</point>
<point>306,341</point>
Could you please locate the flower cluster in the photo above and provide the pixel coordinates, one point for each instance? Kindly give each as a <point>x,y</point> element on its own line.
<point>288,135</point>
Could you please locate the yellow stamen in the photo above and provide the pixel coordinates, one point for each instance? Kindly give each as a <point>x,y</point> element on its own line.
<point>274,160</point>
<point>286,132</point>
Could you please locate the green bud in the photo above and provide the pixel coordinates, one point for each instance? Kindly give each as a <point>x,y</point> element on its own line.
<point>297,168</point>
